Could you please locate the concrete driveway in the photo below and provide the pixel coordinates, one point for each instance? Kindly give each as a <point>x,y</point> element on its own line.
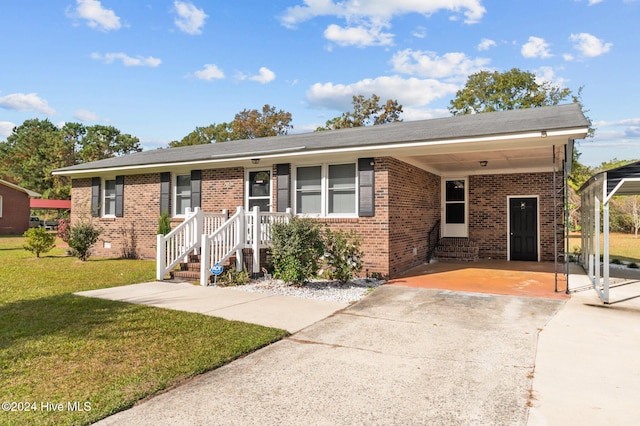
<point>401,356</point>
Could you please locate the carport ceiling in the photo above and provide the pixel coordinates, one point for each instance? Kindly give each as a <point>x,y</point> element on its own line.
<point>498,161</point>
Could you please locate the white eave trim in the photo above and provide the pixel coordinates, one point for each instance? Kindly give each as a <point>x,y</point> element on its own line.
<point>299,151</point>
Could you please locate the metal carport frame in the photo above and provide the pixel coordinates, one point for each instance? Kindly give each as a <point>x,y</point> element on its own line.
<point>596,194</point>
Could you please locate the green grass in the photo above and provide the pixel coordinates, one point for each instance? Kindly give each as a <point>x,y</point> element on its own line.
<point>64,349</point>
<point>621,246</point>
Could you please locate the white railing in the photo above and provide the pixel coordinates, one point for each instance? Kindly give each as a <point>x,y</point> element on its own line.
<point>238,232</point>
<point>172,248</point>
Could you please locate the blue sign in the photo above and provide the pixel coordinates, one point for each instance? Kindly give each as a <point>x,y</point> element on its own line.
<point>217,269</point>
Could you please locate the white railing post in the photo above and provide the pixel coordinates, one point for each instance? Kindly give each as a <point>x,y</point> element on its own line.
<point>198,229</point>
<point>205,261</point>
<point>241,238</point>
<point>257,237</point>
<point>161,257</point>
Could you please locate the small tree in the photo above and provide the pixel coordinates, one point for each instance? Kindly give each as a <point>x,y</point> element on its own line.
<point>342,254</point>
<point>38,240</point>
<point>296,250</point>
<point>81,237</point>
<point>164,224</point>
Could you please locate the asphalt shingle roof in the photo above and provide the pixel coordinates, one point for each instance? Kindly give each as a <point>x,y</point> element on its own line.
<point>548,118</point>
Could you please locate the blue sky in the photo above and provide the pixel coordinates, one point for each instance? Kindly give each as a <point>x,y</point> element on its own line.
<point>157,69</point>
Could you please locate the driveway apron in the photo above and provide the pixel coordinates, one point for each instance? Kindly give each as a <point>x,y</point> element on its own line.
<point>400,356</point>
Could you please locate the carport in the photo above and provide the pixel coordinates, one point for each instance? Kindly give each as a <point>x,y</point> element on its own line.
<point>596,194</point>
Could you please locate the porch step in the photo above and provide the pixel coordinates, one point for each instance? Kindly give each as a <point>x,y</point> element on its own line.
<point>190,271</point>
<point>457,250</point>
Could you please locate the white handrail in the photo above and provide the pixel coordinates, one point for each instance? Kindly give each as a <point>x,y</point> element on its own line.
<point>221,244</point>
<point>185,238</point>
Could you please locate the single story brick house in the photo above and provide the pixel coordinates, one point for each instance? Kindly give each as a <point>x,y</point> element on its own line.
<point>495,179</point>
<point>14,208</point>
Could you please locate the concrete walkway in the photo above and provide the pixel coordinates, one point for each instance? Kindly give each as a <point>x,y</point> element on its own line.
<point>416,356</point>
<point>284,312</point>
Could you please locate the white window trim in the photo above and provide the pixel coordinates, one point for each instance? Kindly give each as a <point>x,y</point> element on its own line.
<point>0,206</point>
<point>174,193</point>
<point>246,186</point>
<point>324,191</point>
<point>454,230</point>
<point>103,197</point>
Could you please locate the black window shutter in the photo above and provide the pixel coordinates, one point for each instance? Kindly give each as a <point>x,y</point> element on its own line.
<point>283,200</point>
<point>196,188</point>
<point>165,192</point>
<point>119,196</point>
<point>95,196</point>
<point>366,187</point>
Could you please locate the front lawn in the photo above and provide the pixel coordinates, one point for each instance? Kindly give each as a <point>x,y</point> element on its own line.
<point>67,359</point>
<point>624,247</point>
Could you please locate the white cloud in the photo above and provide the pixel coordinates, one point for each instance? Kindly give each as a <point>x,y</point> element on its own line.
<point>379,11</point>
<point>127,61</point>
<point>486,44</point>
<point>536,47</point>
<point>97,16</point>
<point>26,102</point>
<point>210,72</point>
<point>409,92</point>
<point>548,74</point>
<point>190,19</point>
<point>87,116</point>
<point>265,76</point>
<point>428,64</point>
<point>360,36</point>
<point>590,45</point>
<point>6,128</point>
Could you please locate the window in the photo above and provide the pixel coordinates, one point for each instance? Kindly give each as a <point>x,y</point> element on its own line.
<point>342,188</point>
<point>326,190</point>
<point>183,194</point>
<point>109,200</point>
<point>455,202</point>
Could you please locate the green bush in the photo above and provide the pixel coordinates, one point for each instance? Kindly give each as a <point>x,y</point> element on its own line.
<point>81,237</point>
<point>342,254</point>
<point>296,250</point>
<point>164,224</point>
<point>233,277</point>
<point>38,240</point>
<point>633,265</point>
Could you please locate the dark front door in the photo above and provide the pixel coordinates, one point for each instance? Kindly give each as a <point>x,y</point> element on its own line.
<point>523,226</point>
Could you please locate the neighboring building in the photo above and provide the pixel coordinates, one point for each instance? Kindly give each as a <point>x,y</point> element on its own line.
<point>14,208</point>
<point>495,179</point>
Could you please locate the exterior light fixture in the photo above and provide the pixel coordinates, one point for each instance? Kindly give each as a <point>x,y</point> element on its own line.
<point>255,160</point>
<point>543,134</point>
<point>484,163</point>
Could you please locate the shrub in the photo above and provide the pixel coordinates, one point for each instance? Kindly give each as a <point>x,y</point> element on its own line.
<point>233,277</point>
<point>38,240</point>
<point>633,265</point>
<point>81,237</point>
<point>342,254</point>
<point>164,224</point>
<point>63,230</point>
<point>616,261</point>
<point>296,250</point>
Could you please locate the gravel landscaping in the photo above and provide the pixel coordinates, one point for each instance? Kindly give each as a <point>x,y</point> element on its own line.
<point>349,292</point>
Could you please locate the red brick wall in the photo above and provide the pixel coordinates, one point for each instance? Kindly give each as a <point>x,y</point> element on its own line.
<point>221,189</point>
<point>414,207</point>
<point>489,212</point>
<point>15,211</point>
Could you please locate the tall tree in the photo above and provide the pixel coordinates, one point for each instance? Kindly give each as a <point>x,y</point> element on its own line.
<point>202,135</point>
<point>37,147</point>
<point>366,112</point>
<point>251,124</point>
<point>102,142</point>
<point>487,91</point>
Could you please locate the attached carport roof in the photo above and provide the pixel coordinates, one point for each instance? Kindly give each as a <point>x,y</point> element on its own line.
<point>534,129</point>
